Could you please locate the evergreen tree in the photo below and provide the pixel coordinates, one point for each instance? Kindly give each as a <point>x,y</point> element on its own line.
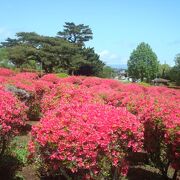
<point>51,53</point>
<point>78,34</point>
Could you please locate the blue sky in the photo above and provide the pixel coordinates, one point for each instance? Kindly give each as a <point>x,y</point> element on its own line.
<point>118,25</point>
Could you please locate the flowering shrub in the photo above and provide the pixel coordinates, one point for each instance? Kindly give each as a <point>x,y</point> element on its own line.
<point>6,72</point>
<point>21,82</point>
<point>3,79</point>
<point>157,112</point>
<point>76,80</point>
<point>33,87</point>
<point>27,75</point>
<point>34,103</point>
<point>86,139</point>
<point>82,130</point>
<point>51,78</point>
<point>66,93</point>
<point>161,120</point>
<point>12,117</point>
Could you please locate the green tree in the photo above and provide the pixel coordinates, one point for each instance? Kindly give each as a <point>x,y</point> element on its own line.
<point>91,64</point>
<point>52,54</point>
<point>108,72</point>
<point>48,52</point>
<point>4,61</point>
<point>143,63</point>
<point>19,55</point>
<point>164,71</point>
<point>9,43</point>
<point>73,33</point>
<point>175,71</point>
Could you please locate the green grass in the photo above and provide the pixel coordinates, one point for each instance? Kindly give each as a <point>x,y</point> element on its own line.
<point>18,148</point>
<point>62,75</point>
<point>144,84</point>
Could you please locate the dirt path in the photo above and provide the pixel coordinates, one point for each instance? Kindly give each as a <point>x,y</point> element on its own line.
<point>28,172</point>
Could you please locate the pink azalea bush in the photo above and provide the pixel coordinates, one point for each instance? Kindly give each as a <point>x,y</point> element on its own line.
<point>157,112</point>
<point>6,72</point>
<point>27,75</point>
<point>86,139</point>
<point>66,93</point>
<point>51,78</point>
<point>12,117</point>
<point>161,119</point>
<point>88,125</point>
<point>34,87</point>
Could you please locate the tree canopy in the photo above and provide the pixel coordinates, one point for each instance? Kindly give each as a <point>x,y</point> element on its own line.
<point>52,53</point>
<point>164,71</point>
<point>143,63</point>
<point>48,52</point>
<point>4,58</point>
<point>175,71</point>
<point>73,33</point>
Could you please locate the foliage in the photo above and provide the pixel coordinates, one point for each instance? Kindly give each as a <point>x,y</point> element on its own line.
<point>148,104</point>
<point>76,33</point>
<point>84,120</point>
<point>48,52</point>
<point>9,165</point>
<point>175,71</point>
<point>18,148</point>
<point>6,72</point>
<point>143,63</point>
<point>85,140</point>
<point>4,62</point>
<point>91,65</point>
<point>62,75</point>
<point>107,72</point>
<point>164,71</point>
<point>161,128</point>
<point>51,54</point>
<point>12,116</point>
<point>30,65</point>
<point>144,84</point>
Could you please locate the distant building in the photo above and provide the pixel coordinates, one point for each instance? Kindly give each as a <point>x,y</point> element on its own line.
<point>121,74</point>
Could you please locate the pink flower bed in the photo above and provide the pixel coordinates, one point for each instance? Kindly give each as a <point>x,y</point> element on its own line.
<point>12,118</point>
<point>89,125</point>
<point>85,137</point>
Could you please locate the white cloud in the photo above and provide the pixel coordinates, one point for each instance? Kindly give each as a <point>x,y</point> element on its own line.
<point>105,54</point>
<point>111,58</point>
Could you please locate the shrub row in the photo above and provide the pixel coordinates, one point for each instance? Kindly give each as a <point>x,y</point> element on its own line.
<point>89,126</point>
